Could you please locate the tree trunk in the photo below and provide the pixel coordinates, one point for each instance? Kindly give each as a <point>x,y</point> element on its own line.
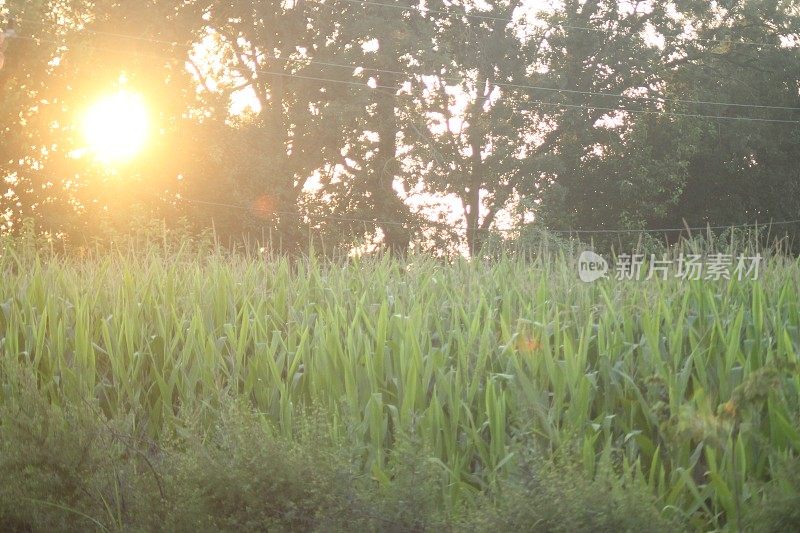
<point>473,204</point>
<point>391,213</point>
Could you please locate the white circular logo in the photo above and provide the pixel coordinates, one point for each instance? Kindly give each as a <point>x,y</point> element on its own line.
<point>591,267</point>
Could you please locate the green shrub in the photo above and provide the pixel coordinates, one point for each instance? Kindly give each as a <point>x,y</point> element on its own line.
<point>555,495</point>
<point>779,508</point>
<point>242,476</point>
<point>409,498</point>
<point>68,469</point>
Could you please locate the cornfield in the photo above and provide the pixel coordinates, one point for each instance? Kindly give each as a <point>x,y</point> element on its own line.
<point>690,385</point>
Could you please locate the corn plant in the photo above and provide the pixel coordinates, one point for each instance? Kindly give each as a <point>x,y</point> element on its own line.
<point>691,385</point>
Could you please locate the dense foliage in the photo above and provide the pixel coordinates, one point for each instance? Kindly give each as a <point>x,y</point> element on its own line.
<point>587,114</point>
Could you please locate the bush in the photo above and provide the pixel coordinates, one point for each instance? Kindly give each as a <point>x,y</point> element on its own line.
<point>779,509</point>
<point>554,495</point>
<point>409,498</point>
<point>242,477</point>
<point>68,469</point>
<point>71,470</point>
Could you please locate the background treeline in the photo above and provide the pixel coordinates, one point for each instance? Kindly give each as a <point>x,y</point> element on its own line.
<point>593,115</point>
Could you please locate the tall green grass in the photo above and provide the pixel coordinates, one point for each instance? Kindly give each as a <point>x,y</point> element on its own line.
<point>690,386</point>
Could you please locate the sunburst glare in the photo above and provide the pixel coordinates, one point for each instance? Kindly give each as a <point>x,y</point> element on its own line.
<point>116,127</point>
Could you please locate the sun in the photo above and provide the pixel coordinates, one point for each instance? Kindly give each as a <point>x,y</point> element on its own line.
<point>116,127</point>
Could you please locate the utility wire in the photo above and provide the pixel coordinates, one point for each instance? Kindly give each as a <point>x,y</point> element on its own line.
<point>531,102</point>
<point>474,15</point>
<point>412,8</point>
<point>463,80</point>
<point>479,16</point>
<point>504,230</point>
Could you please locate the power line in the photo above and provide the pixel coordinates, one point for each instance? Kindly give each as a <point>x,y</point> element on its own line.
<point>543,88</point>
<point>557,90</point>
<point>462,80</point>
<point>648,98</point>
<point>557,104</point>
<point>570,231</point>
<point>513,21</point>
<point>380,222</point>
<point>330,80</point>
<point>137,53</point>
<point>476,15</point>
<point>441,12</point>
<point>114,34</point>
<point>532,102</point>
<point>672,230</point>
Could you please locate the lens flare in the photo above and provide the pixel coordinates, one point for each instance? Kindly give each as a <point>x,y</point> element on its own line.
<point>262,207</point>
<point>116,127</point>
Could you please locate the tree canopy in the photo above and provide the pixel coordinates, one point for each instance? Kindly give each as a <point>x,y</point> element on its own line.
<point>409,125</point>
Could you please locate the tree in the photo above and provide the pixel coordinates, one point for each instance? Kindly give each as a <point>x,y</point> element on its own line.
<point>268,49</point>
<point>743,171</point>
<point>669,161</point>
<point>596,58</point>
<point>480,125</point>
<point>52,74</point>
<point>387,48</point>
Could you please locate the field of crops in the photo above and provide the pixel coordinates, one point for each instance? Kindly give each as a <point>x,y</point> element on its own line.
<point>689,387</point>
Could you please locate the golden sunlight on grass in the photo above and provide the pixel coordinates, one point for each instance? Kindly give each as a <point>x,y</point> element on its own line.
<point>116,127</point>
